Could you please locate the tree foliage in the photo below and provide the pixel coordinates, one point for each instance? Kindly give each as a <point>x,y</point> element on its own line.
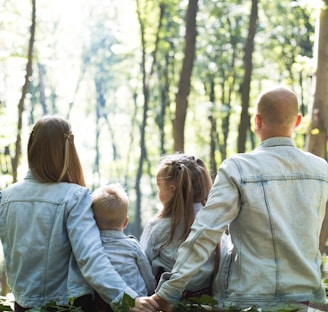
<point>114,70</point>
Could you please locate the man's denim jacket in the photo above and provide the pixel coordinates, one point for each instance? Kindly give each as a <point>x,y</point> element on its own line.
<point>274,201</point>
<point>50,237</point>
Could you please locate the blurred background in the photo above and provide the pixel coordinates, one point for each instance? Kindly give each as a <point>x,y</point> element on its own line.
<point>141,78</point>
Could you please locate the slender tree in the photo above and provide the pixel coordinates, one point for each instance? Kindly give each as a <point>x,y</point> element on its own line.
<point>185,76</point>
<point>28,74</point>
<point>146,78</point>
<point>244,124</point>
<point>214,134</point>
<point>18,144</point>
<point>317,137</point>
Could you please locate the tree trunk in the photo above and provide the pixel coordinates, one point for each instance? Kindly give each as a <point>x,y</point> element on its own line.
<point>244,124</point>
<point>42,89</point>
<point>231,86</point>
<point>164,92</point>
<point>18,149</point>
<point>146,77</point>
<point>317,137</point>
<point>214,134</point>
<point>185,76</point>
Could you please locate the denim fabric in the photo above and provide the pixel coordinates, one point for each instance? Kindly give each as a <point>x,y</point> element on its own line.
<point>161,256</point>
<point>129,260</point>
<point>42,227</point>
<point>274,200</point>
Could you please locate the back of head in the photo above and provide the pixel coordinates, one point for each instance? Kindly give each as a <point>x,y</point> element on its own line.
<point>201,179</point>
<point>278,107</point>
<point>110,207</point>
<point>52,155</point>
<point>192,185</point>
<point>171,169</point>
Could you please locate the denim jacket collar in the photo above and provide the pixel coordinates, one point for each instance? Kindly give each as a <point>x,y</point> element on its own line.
<point>112,234</point>
<point>277,141</point>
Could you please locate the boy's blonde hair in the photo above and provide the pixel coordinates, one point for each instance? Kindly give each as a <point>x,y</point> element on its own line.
<point>110,207</point>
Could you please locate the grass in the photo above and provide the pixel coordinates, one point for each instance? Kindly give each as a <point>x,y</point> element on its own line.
<point>202,304</point>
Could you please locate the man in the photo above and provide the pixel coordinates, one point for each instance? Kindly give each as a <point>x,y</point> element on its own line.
<point>274,200</point>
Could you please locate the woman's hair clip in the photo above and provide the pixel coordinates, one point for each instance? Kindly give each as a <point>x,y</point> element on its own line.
<point>69,136</point>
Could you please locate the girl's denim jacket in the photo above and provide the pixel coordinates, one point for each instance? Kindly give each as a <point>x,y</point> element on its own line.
<point>274,201</point>
<point>50,240</point>
<point>162,256</point>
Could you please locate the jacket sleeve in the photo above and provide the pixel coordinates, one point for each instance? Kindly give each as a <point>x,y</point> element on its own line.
<point>145,270</point>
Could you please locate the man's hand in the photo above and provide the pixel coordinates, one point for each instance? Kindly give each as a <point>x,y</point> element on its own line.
<point>145,304</point>
<point>151,304</point>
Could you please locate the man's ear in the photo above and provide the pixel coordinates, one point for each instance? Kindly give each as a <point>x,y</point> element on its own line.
<point>298,120</point>
<point>258,121</point>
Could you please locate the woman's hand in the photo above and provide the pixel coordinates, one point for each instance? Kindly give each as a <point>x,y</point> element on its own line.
<point>164,305</point>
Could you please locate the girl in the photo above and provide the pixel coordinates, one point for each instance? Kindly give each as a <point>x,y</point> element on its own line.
<point>183,185</point>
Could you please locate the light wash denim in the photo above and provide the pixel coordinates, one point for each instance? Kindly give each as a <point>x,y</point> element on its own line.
<point>129,260</point>
<point>274,200</point>
<point>161,256</point>
<point>42,227</point>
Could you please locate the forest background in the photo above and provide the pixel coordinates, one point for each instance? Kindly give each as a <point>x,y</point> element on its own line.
<point>142,78</point>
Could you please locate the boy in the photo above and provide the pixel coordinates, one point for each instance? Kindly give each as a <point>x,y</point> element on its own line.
<point>110,207</point>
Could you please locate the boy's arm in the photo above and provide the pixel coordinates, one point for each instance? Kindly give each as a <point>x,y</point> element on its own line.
<point>146,271</point>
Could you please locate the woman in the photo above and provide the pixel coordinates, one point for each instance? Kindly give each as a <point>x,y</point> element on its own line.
<point>51,243</point>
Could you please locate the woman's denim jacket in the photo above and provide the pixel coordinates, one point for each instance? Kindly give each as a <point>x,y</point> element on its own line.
<point>274,201</point>
<point>49,238</point>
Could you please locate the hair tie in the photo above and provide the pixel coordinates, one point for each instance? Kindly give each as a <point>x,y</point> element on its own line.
<point>69,137</point>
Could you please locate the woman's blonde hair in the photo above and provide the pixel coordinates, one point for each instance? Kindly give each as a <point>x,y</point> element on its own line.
<point>193,183</point>
<point>52,156</point>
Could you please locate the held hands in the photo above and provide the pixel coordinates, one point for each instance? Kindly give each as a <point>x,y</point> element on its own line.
<point>151,304</point>
<point>145,304</point>
<point>163,304</point>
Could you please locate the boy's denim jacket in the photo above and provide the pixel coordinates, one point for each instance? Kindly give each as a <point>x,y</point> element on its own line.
<point>129,260</point>
<point>274,201</point>
<point>50,237</point>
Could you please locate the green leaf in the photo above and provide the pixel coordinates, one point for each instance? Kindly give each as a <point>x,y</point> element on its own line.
<point>127,303</point>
